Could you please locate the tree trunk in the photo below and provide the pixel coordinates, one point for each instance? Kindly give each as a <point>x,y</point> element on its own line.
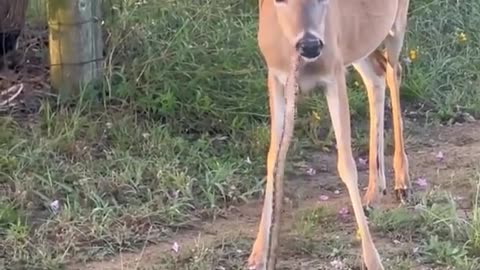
<point>12,20</point>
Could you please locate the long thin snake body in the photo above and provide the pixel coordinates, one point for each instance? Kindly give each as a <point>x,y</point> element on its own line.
<point>290,93</point>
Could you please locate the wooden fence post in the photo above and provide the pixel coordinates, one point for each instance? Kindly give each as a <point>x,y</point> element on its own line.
<point>76,45</point>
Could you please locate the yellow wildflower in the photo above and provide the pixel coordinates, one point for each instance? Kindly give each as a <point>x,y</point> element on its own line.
<point>358,235</point>
<point>462,37</point>
<point>412,54</point>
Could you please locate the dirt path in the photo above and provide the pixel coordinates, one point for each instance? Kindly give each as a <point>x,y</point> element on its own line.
<point>460,145</point>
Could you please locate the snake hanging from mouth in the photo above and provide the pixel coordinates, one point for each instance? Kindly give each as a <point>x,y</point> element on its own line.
<point>291,91</point>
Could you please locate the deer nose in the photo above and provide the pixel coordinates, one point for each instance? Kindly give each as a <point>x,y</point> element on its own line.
<point>309,47</point>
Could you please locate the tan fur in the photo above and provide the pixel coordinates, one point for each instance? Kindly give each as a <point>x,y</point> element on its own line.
<point>352,32</point>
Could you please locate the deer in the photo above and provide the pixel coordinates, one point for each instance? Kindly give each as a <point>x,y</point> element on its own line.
<point>313,42</point>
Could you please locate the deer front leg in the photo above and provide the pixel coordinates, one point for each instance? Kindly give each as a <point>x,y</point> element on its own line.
<point>373,75</point>
<point>263,255</point>
<point>340,114</point>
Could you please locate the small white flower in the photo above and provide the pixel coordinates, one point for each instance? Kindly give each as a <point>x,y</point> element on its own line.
<point>55,206</point>
<point>311,171</point>
<point>362,161</point>
<point>337,264</point>
<point>175,247</point>
<point>324,198</point>
<point>421,182</point>
<point>344,211</point>
<point>439,156</point>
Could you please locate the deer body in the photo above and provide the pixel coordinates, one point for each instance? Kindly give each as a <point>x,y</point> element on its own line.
<point>330,35</point>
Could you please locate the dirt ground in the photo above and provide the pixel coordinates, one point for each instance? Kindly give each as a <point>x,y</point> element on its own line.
<point>26,67</point>
<point>460,145</point>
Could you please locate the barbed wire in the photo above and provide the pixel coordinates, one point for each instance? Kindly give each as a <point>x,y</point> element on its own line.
<point>91,20</point>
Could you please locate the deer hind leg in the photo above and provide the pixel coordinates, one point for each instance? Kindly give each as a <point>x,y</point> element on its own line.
<point>337,101</point>
<point>372,71</point>
<point>263,253</point>
<point>393,45</point>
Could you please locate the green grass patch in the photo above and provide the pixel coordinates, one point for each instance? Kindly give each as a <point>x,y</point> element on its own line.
<point>119,182</point>
<point>443,235</point>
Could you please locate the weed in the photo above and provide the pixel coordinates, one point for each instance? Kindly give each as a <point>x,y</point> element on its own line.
<point>396,220</point>
<point>311,220</point>
<point>443,252</point>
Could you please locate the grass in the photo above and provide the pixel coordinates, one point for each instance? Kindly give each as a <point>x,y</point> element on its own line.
<point>109,189</point>
<point>445,75</point>
<point>444,236</point>
<point>181,133</point>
